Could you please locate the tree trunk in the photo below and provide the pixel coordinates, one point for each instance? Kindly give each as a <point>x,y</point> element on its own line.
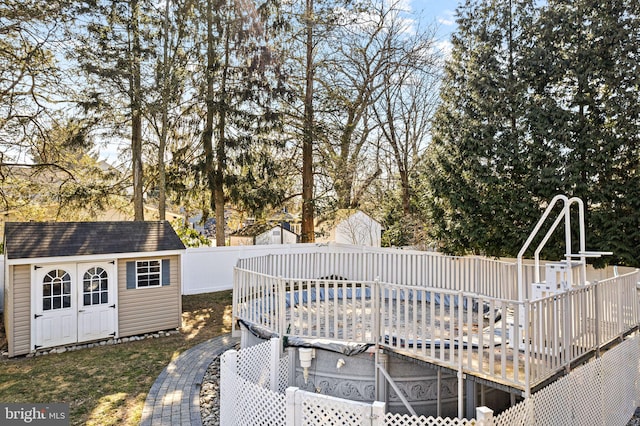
<point>308,231</point>
<point>207,135</point>
<point>162,175</point>
<point>136,115</point>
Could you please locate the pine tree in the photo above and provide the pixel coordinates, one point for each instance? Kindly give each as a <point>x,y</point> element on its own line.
<point>475,179</point>
<point>244,88</point>
<point>113,49</point>
<point>585,93</point>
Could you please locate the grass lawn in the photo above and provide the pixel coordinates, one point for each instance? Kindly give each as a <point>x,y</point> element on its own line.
<point>107,385</point>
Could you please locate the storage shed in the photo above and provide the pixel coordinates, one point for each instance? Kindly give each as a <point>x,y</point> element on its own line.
<point>72,282</point>
<point>261,234</point>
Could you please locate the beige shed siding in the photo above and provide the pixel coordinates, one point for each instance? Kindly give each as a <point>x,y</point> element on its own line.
<point>149,309</point>
<point>20,309</point>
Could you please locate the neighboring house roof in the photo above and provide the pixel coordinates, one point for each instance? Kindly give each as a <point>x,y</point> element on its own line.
<point>25,240</point>
<point>283,217</point>
<point>256,229</point>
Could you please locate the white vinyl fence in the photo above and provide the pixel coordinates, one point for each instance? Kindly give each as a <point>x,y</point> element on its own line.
<point>209,269</point>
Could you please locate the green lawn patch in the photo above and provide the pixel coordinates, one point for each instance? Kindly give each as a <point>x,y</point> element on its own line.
<point>107,385</point>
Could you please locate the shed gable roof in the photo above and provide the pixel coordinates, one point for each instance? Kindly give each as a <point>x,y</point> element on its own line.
<point>25,240</point>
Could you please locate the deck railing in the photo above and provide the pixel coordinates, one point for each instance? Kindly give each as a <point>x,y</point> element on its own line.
<point>470,274</point>
<point>435,310</point>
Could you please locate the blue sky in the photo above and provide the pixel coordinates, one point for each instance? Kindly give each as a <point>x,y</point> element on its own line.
<point>438,12</point>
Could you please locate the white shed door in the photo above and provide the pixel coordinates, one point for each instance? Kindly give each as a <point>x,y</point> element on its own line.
<point>96,301</point>
<point>55,312</point>
<point>73,303</point>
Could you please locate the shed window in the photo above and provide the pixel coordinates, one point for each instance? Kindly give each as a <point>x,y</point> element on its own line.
<point>56,290</point>
<point>148,273</point>
<point>95,287</point>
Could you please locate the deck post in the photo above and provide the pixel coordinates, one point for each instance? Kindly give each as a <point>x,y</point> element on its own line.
<point>619,285</point>
<point>378,413</point>
<point>596,303</point>
<point>439,393</point>
<point>566,338</point>
<point>527,349</point>
<point>291,406</point>
<point>376,310</point>
<point>282,306</point>
<point>382,360</point>
<point>275,363</point>
<point>484,416</point>
<point>471,397</point>
<point>234,303</point>
<point>460,357</point>
<point>291,353</point>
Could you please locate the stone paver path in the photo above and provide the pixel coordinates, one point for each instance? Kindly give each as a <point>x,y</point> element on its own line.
<point>174,398</point>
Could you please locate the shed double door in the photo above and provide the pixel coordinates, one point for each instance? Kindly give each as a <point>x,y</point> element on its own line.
<point>73,303</point>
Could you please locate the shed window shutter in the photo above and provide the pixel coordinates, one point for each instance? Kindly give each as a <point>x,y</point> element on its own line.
<point>166,272</point>
<point>131,275</point>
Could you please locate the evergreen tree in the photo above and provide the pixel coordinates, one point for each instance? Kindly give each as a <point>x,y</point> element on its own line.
<point>475,180</point>
<point>537,101</point>
<point>244,89</point>
<point>114,50</point>
<point>585,109</point>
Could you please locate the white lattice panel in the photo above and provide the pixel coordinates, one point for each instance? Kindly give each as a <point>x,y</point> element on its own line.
<point>605,391</point>
<point>620,376</point>
<point>552,404</point>
<point>518,415</point>
<point>254,363</point>
<point>322,410</point>
<point>258,406</point>
<point>228,387</point>
<point>409,420</point>
<point>283,373</point>
<point>584,396</point>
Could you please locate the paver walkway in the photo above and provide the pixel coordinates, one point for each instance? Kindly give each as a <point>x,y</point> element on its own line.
<point>174,398</point>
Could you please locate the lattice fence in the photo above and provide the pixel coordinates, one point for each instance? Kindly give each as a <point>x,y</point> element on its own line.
<point>605,391</point>
<point>283,374</point>
<point>409,420</point>
<point>323,410</point>
<point>254,364</point>
<point>246,378</point>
